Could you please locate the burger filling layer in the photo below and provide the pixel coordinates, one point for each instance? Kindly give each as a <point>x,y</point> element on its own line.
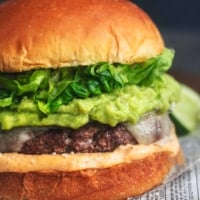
<point>127,104</point>
<point>93,137</point>
<point>72,97</point>
<point>88,108</point>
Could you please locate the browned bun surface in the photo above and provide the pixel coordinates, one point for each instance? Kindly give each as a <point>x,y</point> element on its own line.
<point>114,183</point>
<point>45,34</point>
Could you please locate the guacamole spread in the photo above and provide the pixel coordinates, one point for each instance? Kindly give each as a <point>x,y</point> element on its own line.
<point>71,97</point>
<point>126,104</point>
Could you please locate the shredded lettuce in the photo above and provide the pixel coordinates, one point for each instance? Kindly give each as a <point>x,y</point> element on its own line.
<point>51,88</point>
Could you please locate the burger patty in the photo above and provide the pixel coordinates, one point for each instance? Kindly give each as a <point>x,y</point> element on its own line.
<point>93,137</point>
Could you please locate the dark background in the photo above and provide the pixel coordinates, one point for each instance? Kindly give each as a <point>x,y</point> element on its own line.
<point>173,13</point>
<point>179,23</point>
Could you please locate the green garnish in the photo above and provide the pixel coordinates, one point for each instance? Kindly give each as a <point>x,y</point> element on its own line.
<point>51,88</point>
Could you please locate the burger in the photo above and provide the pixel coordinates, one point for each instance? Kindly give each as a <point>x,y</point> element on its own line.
<point>84,101</point>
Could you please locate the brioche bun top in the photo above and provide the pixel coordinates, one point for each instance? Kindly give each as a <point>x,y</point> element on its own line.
<point>49,34</point>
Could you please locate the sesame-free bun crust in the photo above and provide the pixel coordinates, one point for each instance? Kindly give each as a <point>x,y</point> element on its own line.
<point>50,34</point>
<point>115,183</point>
<point>131,177</point>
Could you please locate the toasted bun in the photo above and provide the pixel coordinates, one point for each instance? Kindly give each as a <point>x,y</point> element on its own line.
<point>138,171</point>
<point>50,34</point>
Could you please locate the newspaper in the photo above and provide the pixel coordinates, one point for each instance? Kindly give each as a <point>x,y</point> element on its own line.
<point>183,183</point>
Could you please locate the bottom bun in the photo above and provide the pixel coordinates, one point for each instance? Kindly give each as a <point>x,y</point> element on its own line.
<point>116,182</point>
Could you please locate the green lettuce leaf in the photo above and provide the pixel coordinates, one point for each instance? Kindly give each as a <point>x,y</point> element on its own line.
<point>51,88</point>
